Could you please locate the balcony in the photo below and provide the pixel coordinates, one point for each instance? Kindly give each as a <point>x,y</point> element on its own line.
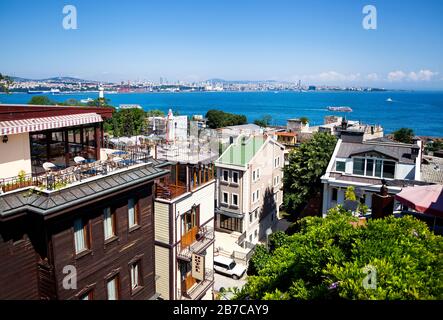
<point>198,290</point>
<point>169,191</point>
<point>195,241</point>
<point>59,178</point>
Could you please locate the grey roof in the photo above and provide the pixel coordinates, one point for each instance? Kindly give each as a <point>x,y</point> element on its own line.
<point>45,203</point>
<point>398,151</point>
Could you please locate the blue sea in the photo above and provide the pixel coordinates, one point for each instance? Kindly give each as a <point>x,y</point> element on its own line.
<point>420,110</point>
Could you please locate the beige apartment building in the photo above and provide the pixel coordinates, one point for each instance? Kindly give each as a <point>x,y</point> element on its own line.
<point>184,221</point>
<point>249,190</point>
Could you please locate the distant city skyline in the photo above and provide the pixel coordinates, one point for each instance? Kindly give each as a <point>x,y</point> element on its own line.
<point>319,43</point>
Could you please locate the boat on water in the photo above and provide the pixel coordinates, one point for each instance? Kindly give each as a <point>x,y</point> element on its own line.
<point>339,108</point>
<point>36,91</point>
<point>86,100</point>
<point>389,100</point>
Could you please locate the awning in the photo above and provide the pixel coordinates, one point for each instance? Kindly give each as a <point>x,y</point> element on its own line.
<point>38,124</point>
<point>229,214</point>
<point>424,199</point>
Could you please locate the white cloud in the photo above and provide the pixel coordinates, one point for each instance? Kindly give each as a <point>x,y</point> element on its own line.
<point>329,76</point>
<point>422,75</point>
<point>372,77</point>
<point>396,75</point>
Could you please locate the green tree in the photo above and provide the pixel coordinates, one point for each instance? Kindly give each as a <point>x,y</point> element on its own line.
<point>304,120</point>
<point>301,178</point>
<point>219,119</point>
<point>155,113</point>
<point>100,102</point>
<point>327,259</point>
<point>41,100</point>
<point>5,83</point>
<point>264,121</point>
<point>72,102</point>
<point>404,135</point>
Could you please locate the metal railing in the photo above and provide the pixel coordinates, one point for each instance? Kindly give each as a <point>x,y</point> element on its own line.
<point>203,239</point>
<point>200,288</point>
<point>57,179</point>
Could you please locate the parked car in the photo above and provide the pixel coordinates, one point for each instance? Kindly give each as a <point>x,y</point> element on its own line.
<point>229,267</point>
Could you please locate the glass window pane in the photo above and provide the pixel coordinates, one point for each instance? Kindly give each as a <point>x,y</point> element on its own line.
<point>108,224</point>
<point>340,166</point>
<point>369,167</point>
<point>388,169</point>
<point>359,166</point>
<point>131,213</point>
<point>378,164</point>
<point>79,236</point>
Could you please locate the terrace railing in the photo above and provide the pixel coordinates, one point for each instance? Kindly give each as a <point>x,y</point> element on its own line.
<point>58,179</point>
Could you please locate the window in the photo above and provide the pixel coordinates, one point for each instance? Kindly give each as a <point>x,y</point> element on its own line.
<point>81,236</point>
<point>135,276</point>
<point>359,166</point>
<point>253,176</point>
<point>108,223</point>
<point>334,194</point>
<point>235,199</point>
<point>340,166</point>
<point>132,213</point>
<point>235,177</point>
<point>374,167</point>
<point>255,234</point>
<point>87,296</point>
<point>277,162</point>
<point>225,198</point>
<point>225,175</point>
<point>388,169</point>
<point>256,213</point>
<point>369,167</point>
<point>250,217</point>
<point>255,196</point>
<point>250,238</point>
<point>229,223</point>
<point>258,173</point>
<point>276,180</point>
<point>112,288</point>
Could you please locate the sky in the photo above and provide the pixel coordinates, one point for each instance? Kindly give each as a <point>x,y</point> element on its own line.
<point>318,42</point>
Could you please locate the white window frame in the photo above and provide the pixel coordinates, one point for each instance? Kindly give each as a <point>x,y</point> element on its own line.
<point>223,197</point>
<point>365,159</point>
<point>115,281</point>
<point>132,212</point>
<point>223,175</point>
<point>135,275</point>
<point>108,223</point>
<point>232,199</point>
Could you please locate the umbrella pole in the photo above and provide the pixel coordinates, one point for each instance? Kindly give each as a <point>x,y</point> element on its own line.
<point>433,229</point>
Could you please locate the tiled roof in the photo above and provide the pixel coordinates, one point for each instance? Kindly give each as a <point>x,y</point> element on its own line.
<point>43,202</point>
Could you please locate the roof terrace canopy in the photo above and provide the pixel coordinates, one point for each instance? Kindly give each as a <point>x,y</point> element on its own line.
<point>46,123</point>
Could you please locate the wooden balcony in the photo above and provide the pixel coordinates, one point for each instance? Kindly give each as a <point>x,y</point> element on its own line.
<point>169,191</point>
<point>195,241</point>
